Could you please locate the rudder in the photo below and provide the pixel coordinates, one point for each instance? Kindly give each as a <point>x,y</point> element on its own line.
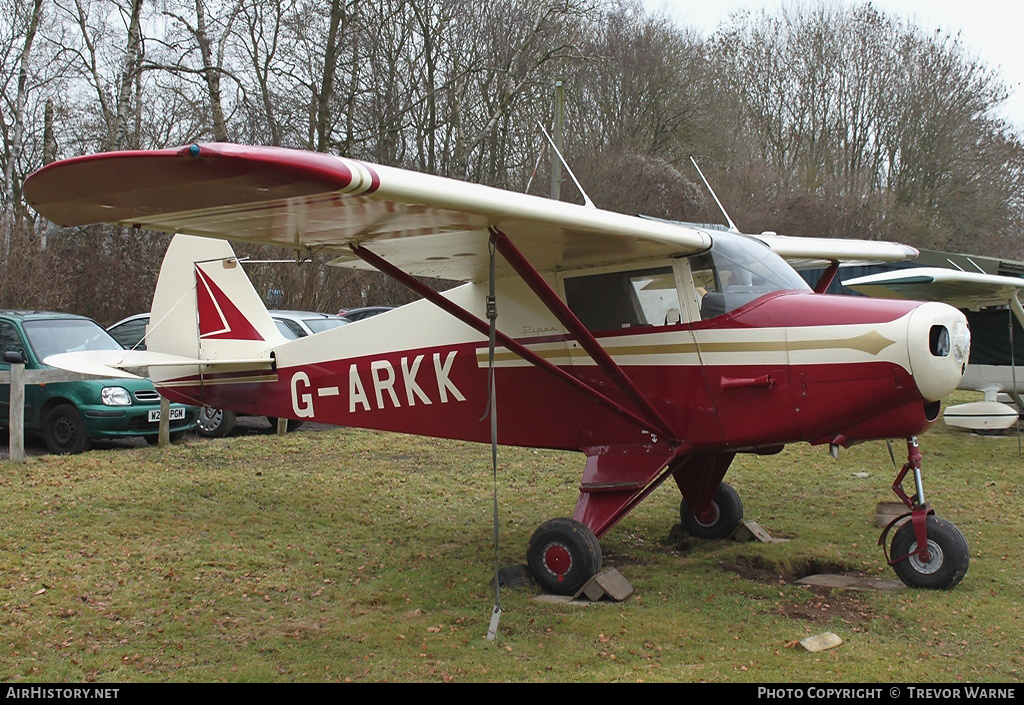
<point>205,307</point>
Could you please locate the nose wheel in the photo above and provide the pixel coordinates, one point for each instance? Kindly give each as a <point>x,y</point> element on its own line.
<point>941,564</point>
<point>926,552</point>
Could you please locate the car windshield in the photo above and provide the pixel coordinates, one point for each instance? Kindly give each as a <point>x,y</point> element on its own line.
<point>319,325</point>
<point>54,336</point>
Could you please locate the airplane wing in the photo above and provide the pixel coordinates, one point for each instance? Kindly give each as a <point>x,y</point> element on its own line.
<point>971,290</point>
<point>425,225</point>
<point>815,252</point>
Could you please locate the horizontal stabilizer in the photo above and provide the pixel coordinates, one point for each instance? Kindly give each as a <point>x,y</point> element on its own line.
<point>134,364</point>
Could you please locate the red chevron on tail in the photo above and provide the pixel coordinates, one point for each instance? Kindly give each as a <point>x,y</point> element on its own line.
<point>219,319</point>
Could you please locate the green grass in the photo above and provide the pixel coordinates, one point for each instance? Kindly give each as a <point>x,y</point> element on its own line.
<point>355,555</point>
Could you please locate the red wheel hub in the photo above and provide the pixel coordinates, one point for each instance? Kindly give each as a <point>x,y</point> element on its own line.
<point>557,559</point>
<point>707,517</point>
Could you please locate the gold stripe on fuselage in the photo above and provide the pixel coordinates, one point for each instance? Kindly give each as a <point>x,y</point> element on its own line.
<point>871,343</point>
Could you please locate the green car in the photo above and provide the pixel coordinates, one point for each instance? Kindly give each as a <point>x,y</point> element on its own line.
<point>70,415</point>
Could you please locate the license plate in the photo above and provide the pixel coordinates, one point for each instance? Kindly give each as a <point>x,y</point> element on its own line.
<point>177,414</point>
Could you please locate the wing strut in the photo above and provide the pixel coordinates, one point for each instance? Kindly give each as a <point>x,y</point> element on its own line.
<point>583,336</point>
<point>483,328</point>
<point>827,277</point>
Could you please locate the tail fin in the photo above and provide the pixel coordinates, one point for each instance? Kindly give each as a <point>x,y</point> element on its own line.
<point>205,307</point>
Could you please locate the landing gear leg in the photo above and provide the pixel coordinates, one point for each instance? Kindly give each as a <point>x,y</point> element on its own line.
<point>926,552</point>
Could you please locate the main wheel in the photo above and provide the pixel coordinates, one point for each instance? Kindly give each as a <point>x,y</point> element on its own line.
<point>563,555</point>
<point>719,520</point>
<point>948,555</point>
<point>64,430</point>
<point>214,423</point>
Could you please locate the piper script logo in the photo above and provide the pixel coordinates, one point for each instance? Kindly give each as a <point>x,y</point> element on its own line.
<point>381,385</point>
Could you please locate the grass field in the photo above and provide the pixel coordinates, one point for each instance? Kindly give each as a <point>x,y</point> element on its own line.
<point>348,555</point>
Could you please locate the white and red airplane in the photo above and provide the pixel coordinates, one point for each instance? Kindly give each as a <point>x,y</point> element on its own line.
<point>657,350</point>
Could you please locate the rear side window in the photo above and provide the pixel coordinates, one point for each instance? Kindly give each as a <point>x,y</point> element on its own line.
<point>627,299</point>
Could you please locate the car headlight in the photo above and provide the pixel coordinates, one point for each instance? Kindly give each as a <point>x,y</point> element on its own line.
<point>115,396</point>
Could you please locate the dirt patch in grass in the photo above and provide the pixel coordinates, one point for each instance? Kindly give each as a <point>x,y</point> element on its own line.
<point>824,605</point>
<point>829,604</point>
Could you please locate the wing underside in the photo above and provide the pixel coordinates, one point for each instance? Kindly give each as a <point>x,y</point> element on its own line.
<point>426,225</point>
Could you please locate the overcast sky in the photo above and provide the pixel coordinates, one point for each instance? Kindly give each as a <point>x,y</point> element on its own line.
<point>989,29</point>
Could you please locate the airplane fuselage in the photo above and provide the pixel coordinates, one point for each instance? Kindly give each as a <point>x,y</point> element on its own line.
<point>771,372</point>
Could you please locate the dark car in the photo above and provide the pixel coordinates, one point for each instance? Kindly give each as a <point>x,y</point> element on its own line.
<point>358,314</point>
<point>214,423</point>
<point>70,415</point>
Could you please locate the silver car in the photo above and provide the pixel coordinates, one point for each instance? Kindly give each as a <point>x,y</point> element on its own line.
<point>215,423</point>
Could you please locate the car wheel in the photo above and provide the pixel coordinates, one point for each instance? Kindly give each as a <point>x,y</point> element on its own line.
<point>64,430</point>
<point>214,423</point>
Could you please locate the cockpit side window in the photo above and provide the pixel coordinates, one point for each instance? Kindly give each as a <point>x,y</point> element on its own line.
<point>626,299</point>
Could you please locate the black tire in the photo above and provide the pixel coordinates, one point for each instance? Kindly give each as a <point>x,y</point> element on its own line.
<point>64,431</point>
<point>214,423</point>
<point>563,555</point>
<point>948,559</point>
<point>292,423</point>
<point>723,517</point>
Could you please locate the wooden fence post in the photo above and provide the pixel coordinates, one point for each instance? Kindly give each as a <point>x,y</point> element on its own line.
<point>16,413</point>
<point>164,435</point>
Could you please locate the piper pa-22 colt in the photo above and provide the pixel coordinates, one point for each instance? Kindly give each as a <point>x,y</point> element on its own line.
<point>658,350</point>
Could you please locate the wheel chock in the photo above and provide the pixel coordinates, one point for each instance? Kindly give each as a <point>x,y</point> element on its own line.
<point>513,576</point>
<point>608,583</point>
<point>752,531</point>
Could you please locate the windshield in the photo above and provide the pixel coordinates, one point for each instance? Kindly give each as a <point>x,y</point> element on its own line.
<point>54,336</point>
<point>319,325</point>
<point>738,270</point>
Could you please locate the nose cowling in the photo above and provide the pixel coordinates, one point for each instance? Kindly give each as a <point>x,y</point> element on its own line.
<point>939,342</point>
